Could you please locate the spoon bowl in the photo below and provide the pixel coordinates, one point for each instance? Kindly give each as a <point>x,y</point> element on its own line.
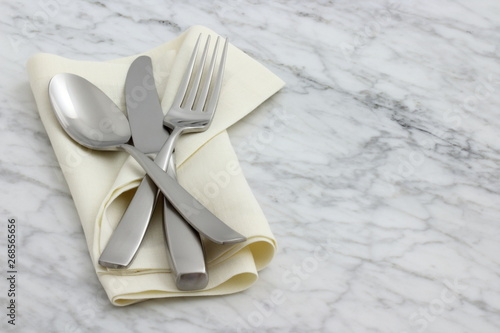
<point>88,115</point>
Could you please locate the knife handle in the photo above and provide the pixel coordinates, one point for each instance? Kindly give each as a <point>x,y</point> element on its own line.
<point>127,237</point>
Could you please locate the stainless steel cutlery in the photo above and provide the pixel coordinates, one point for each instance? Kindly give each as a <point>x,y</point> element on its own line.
<point>94,121</point>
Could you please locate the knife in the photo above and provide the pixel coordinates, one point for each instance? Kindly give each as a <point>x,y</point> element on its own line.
<point>185,250</point>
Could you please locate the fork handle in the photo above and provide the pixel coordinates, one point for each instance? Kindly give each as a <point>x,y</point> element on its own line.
<point>184,246</point>
<point>183,242</point>
<point>164,156</point>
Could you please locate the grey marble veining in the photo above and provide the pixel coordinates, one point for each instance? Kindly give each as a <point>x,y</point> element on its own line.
<point>377,166</point>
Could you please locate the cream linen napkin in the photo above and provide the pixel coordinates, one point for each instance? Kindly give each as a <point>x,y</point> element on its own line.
<point>103,183</point>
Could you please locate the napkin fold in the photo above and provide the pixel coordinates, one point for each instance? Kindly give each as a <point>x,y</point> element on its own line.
<point>103,183</point>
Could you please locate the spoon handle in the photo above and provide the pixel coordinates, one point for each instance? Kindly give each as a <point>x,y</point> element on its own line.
<point>200,218</point>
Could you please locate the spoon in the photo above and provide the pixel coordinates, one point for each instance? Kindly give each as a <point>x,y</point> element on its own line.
<point>93,120</point>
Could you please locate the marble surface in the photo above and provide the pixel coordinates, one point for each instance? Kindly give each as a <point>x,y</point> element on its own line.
<point>377,166</point>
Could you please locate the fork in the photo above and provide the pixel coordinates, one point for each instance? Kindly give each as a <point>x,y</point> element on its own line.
<point>193,107</point>
<point>192,110</point>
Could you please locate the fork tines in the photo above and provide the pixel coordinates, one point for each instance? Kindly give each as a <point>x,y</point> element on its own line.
<point>204,99</point>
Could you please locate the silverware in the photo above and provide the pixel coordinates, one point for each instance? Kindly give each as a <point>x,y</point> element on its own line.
<point>184,249</point>
<point>148,134</point>
<point>92,119</point>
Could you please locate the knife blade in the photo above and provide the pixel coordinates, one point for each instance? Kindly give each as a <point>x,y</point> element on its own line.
<point>185,250</point>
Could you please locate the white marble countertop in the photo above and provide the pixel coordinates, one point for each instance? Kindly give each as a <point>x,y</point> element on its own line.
<point>382,187</point>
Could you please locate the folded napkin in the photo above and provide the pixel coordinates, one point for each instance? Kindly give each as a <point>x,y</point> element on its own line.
<point>103,183</point>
